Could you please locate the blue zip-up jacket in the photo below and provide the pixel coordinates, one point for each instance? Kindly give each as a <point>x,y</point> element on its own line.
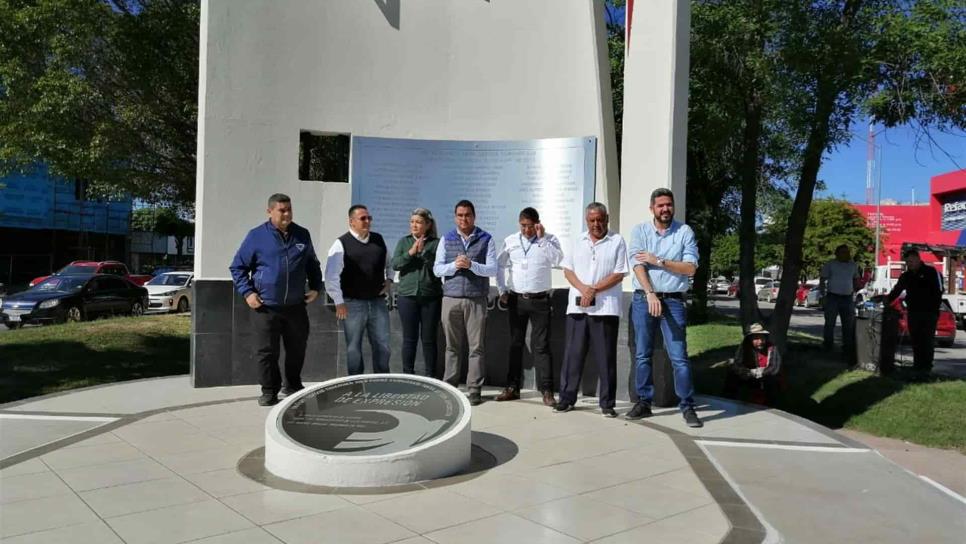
<point>275,268</point>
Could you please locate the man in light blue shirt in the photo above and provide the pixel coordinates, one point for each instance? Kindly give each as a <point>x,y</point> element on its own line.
<point>664,255</point>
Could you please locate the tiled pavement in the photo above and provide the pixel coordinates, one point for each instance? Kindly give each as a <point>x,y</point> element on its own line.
<point>159,463</point>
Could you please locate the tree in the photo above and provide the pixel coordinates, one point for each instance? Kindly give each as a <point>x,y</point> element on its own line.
<point>163,222</point>
<point>104,91</point>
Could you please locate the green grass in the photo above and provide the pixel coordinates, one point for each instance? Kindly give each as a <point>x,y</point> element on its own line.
<point>820,388</point>
<point>41,360</point>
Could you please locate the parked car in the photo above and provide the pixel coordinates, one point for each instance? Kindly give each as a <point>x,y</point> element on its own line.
<point>769,292</point>
<point>113,268</point>
<point>801,294</point>
<point>165,269</point>
<point>73,298</point>
<point>945,327</point>
<point>721,285</point>
<point>170,292</point>
<point>814,298</point>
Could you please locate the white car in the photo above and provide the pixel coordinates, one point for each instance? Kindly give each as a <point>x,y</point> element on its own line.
<point>170,292</point>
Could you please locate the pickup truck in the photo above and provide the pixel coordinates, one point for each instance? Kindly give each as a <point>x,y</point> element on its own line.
<point>114,268</point>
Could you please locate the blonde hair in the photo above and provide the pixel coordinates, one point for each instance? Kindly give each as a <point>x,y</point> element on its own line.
<point>426,216</point>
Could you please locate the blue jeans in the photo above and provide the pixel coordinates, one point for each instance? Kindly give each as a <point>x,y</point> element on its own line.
<point>372,317</point>
<point>673,322</point>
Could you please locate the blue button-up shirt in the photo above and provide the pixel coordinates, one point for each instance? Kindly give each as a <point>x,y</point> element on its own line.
<point>676,244</point>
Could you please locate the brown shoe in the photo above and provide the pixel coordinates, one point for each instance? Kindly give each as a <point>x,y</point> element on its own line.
<point>510,393</point>
<point>548,399</point>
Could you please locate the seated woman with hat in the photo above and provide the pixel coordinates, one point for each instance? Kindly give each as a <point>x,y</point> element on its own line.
<point>753,373</point>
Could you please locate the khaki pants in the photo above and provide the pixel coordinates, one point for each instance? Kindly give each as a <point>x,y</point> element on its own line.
<point>464,322</point>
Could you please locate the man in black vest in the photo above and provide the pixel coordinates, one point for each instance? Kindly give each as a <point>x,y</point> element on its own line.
<point>923,287</point>
<point>358,276</point>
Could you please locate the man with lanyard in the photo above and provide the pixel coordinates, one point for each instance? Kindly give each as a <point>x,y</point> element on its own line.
<point>523,278</point>
<point>837,283</point>
<point>465,260</point>
<point>664,255</point>
<point>270,270</point>
<point>358,277</point>
<point>923,287</point>
<point>595,268</point>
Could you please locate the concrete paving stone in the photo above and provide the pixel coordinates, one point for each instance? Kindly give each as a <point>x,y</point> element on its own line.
<point>98,454</point>
<point>500,528</point>
<point>194,462</point>
<point>431,509</point>
<point>178,523</point>
<point>660,531</point>
<point>96,440</point>
<point>708,519</point>
<point>163,444</point>
<point>583,518</point>
<point>167,428</point>
<point>575,478</point>
<point>142,496</point>
<point>352,525</point>
<point>636,464</point>
<point>224,483</point>
<point>652,500</point>
<point>85,533</point>
<point>377,495</point>
<point>20,435</point>
<point>246,536</point>
<point>31,486</point>
<point>31,466</point>
<point>508,491</point>
<point>274,505</point>
<point>122,472</point>
<point>154,418</point>
<point>41,514</point>
<point>682,479</point>
<point>415,540</point>
<point>249,436</point>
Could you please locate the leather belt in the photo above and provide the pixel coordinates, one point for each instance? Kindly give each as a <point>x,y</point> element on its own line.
<point>528,296</point>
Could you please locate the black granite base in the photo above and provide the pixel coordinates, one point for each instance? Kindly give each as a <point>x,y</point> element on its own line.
<point>222,354</point>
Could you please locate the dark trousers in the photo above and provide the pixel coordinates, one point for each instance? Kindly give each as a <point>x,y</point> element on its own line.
<point>420,320</point>
<point>288,324</point>
<point>599,334</point>
<point>922,334</point>
<point>535,312</point>
<point>766,390</point>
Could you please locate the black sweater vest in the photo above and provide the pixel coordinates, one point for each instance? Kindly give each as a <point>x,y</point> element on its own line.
<point>364,269</point>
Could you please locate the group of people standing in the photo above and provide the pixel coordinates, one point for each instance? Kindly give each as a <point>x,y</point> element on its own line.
<point>447,279</point>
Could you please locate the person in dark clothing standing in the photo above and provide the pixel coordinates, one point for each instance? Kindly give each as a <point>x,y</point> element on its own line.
<point>270,271</point>
<point>923,287</point>
<point>358,276</point>
<point>420,292</point>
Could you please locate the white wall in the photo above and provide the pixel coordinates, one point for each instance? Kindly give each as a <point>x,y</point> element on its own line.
<point>453,69</point>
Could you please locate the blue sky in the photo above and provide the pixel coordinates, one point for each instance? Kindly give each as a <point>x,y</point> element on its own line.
<point>905,166</point>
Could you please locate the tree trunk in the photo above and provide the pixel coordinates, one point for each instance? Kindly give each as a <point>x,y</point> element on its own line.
<point>749,174</point>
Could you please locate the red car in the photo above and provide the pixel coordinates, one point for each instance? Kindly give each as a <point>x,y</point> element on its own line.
<point>114,268</point>
<point>945,327</point>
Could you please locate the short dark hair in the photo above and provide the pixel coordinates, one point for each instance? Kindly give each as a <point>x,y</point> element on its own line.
<point>910,252</point>
<point>465,204</point>
<point>530,213</point>
<point>278,198</point>
<point>355,207</point>
<point>661,191</point>
<point>840,247</point>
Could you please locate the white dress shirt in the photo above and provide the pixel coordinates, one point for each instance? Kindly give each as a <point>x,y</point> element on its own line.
<point>524,265</point>
<point>592,262</point>
<point>443,269</point>
<point>336,262</point>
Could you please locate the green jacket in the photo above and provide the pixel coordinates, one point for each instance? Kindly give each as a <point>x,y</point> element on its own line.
<point>416,278</point>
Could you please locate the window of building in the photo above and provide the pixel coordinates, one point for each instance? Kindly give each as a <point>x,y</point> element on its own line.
<point>323,156</point>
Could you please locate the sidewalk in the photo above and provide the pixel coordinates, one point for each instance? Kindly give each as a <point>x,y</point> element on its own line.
<point>159,461</point>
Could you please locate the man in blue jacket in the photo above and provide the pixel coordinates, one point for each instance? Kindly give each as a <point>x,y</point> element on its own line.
<point>270,271</point>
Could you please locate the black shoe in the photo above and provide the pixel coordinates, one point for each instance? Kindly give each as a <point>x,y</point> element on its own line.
<point>562,407</point>
<point>640,410</point>
<point>475,398</point>
<point>268,399</point>
<point>608,412</point>
<point>691,418</point>
<point>286,391</point>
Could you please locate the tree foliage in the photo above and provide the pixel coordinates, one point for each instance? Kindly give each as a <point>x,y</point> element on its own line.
<point>163,222</point>
<point>102,91</point>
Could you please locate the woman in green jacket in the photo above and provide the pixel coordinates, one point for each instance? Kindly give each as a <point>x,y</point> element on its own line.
<point>420,292</point>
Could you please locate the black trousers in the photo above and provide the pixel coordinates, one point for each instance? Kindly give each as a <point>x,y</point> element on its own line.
<point>271,326</point>
<point>922,335</point>
<point>420,321</point>
<point>535,312</point>
<point>599,334</point>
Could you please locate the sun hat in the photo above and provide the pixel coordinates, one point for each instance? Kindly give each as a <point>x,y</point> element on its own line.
<point>756,329</point>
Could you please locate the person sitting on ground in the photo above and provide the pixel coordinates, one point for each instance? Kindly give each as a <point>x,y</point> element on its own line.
<point>755,368</point>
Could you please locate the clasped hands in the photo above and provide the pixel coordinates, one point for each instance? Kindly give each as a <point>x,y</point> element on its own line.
<point>463,262</point>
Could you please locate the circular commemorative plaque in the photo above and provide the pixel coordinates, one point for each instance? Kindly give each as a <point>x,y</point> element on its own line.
<point>369,430</point>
